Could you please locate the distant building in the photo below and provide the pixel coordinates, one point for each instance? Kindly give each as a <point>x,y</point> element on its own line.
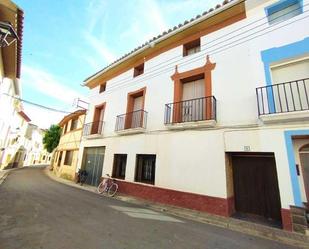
<point>25,144</point>
<point>66,153</point>
<point>18,141</point>
<point>36,154</point>
<point>212,115</point>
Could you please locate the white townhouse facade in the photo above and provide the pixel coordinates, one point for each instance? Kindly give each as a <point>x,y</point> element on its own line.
<point>10,66</point>
<point>212,115</point>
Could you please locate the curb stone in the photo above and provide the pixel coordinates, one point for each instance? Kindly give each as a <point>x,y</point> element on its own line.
<point>4,176</point>
<point>257,230</point>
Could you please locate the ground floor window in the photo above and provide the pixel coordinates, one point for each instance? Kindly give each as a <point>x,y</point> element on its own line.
<point>145,168</point>
<point>119,168</point>
<point>68,157</point>
<point>59,158</point>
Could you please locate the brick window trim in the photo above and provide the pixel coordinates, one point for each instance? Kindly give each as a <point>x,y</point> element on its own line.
<point>201,72</point>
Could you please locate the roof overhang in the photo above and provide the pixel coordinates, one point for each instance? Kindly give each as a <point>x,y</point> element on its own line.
<point>210,21</point>
<point>11,55</point>
<point>71,116</point>
<point>24,116</point>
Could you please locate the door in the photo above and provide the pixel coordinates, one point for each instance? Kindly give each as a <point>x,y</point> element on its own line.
<point>256,188</point>
<point>93,164</point>
<point>192,96</point>
<point>304,160</point>
<point>137,113</point>
<point>98,120</point>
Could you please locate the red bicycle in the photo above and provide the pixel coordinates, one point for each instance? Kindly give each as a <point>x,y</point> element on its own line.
<point>108,186</point>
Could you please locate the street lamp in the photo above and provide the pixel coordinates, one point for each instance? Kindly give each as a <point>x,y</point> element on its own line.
<point>7,34</point>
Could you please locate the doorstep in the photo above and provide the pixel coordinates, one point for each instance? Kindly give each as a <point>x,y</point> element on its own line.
<point>242,226</point>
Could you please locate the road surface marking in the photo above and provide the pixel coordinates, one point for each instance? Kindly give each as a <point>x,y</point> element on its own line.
<point>143,213</point>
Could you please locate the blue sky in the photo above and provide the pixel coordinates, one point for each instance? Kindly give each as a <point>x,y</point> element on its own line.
<point>66,41</point>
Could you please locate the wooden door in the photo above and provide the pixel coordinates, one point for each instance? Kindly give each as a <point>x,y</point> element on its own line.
<point>304,159</point>
<point>256,188</point>
<point>192,106</point>
<point>97,124</point>
<point>136,119</point>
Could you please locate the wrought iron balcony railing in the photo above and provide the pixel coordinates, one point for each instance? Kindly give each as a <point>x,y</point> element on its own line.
<point>131,120</point>
<point>198,109</point>
<point>284,97</point>
<point>93,128</point>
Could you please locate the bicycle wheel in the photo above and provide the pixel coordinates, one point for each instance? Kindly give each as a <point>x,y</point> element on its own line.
<point>112,189</point>
<point>102,187</point>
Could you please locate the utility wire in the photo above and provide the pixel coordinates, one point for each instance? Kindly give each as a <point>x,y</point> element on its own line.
<point>211,52</point>
<point>38,105</point>
<point>202,45</point>
<point>122,82</point>
<point>194,59</point>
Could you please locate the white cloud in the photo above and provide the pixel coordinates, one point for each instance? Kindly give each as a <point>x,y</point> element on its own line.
<point>62,96</point>
<point>99,47</point>
<point>48,85</point>
<point>42,117</point>
<point>148,21</point>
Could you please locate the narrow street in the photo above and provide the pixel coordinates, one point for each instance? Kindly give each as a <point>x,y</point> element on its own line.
<point>36,212</point>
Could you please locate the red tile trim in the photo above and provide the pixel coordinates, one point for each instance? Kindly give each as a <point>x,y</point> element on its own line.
<point>286,219</point>
<point>214,205</point>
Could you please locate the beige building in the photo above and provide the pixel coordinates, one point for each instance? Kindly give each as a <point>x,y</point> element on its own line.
<point>66,154</point>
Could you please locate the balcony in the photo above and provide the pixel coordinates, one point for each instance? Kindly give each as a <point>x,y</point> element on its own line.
<point>131,122</point>
<point>94,129</point>
<point>193,113</point>
<point>284,102</point>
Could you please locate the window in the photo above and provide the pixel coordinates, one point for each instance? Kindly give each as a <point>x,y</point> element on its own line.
<point>192,47</point>
<point>145,168</point>
<point>74,124</point>
<point>283,10</point>
<point>102,87</point>
<point>68,157</point>
<point>65,128</point>
<point>59,158</point>
<point>119,168</point>
<point>138,70</point>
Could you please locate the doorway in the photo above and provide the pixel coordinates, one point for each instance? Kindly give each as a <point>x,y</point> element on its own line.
<point>304,160</point>
<point>98,119</point>
<point>93,164</point>
<point>256,190</point>
<point>193,93</point>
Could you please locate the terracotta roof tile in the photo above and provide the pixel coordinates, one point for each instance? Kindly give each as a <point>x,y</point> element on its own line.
<point>163,34</point>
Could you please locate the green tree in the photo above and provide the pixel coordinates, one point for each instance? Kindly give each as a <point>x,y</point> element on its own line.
<point>51,138</point>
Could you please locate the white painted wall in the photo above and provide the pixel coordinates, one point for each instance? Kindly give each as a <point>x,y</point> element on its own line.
<point>193,160</point>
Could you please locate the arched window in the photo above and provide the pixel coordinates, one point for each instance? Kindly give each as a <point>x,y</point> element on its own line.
<point>304,148</point>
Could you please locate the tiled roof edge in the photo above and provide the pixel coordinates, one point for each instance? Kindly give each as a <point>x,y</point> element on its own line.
<point>163,35</point>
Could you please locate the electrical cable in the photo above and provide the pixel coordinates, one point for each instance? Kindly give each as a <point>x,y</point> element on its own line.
<point>155,73</point>
<point>38,105</point>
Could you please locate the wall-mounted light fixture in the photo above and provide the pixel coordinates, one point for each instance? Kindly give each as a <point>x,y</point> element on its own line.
<point>7,34</point>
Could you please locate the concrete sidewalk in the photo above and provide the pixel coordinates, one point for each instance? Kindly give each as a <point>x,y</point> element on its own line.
<point>4,174</point>
<point>250,228</point>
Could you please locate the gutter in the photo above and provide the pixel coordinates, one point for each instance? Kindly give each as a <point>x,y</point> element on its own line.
<point>166,36</point>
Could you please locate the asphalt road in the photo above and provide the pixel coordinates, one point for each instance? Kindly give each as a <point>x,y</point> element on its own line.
<point>36,212</point>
